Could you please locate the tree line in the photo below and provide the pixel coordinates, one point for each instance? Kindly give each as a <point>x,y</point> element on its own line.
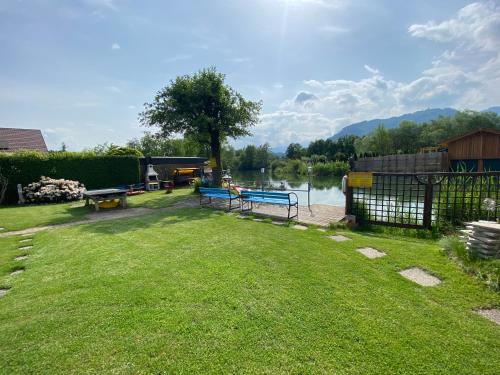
<point>409,137</point>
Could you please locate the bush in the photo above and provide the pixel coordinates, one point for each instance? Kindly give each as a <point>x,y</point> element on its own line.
<point>332,168</point>
<point>122,151</point>
<point>95,171</point>
<point>49,190</point>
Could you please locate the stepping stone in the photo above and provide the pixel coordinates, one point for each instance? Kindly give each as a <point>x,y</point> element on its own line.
<point>370,252</point>
<point>420,277</point>
<point>16,272</point>
<point>339,238</point>
<point>257,219</point>
<point>321,229</point>
<point>490,314</point>
<point>26,235</point>
<point>3,292</point>
<point>25,247</point>
<point>26,240</point>
<point>277,223</point>
<point>1,228</point>
<point>241,217</point>
<point>299,227</point>
<point>22,257</point>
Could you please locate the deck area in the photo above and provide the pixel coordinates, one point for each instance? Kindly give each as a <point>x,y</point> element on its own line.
<point>320,214</point>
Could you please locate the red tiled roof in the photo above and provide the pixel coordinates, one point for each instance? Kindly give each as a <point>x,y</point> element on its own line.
<point>13,139</point>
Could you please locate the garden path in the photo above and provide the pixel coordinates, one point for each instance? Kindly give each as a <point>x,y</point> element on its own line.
<point>320,215</point>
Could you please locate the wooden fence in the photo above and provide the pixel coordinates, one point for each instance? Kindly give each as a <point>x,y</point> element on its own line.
<point>404,163</point>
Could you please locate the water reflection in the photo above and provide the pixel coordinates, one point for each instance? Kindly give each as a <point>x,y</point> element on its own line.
<point>325,190</point>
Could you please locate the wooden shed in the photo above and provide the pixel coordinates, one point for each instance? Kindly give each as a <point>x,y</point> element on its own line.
<point>476,151</point>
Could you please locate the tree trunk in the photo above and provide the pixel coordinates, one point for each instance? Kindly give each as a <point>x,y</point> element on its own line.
<point>215,148</point>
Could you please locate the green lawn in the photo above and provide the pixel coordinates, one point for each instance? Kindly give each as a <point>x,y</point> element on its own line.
<point>198,291</point>
<point>22,217</point>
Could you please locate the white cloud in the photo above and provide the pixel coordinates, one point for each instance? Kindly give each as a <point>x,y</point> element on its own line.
<point>332,30</point>
<point>465,76</point>
<point>371,70</point>
<point>102,4</point>
<point>291,127</point>
<point>323,3</point>
<point>476,26</point>
<point>113,89</point>
<point>176,58</point>
<point>115,46</point>
<point>239,60</point>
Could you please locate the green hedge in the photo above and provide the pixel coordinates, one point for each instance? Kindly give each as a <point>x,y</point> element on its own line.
<point>92,170</point>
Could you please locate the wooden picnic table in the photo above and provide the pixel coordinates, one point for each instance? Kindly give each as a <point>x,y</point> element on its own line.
<point>102,195</point>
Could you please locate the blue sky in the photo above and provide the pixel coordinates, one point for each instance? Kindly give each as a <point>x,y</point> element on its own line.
<point>81,70</point>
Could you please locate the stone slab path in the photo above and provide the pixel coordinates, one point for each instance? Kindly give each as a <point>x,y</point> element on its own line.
<point>339,238</point>
<point>490,314</point>
<point>420,277</point>
<point>370,252</point>
<point>321,214</point>
<point>16,272</point>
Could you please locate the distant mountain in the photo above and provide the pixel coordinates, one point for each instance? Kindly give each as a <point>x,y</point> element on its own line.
<point>493,109</point>
<point>365,127</point>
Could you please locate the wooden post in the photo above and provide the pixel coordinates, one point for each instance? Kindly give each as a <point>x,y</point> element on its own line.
<point>427,219</point>
<point>348,200</point>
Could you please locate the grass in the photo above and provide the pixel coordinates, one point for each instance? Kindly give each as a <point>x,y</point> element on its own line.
<point>199,291</point>
<point>487,270</point>
<point>22,217</point>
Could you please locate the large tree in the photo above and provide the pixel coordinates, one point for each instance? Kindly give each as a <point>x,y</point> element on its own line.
<point>203,108</point>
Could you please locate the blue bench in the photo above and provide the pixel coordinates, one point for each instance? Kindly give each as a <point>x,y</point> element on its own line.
<point>285,199</point>
<point>218,193</point>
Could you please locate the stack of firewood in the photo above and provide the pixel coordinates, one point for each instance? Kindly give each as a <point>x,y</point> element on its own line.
<point>483,239</point>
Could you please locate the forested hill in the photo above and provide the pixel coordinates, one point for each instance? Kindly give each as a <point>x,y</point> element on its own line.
<point>366,127</point>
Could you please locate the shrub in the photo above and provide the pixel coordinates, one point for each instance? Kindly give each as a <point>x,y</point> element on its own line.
<point>49,190</point>
<point>95,171</point>
<point>122,151</point>
<point>335,168</point>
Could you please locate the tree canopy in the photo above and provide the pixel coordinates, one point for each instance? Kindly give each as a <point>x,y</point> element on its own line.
<point>203,108</point>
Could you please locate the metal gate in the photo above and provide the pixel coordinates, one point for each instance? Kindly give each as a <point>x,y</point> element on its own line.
<point>421,200</point>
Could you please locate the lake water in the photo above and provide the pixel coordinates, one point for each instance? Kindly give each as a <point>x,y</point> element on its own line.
<point>325,190</point>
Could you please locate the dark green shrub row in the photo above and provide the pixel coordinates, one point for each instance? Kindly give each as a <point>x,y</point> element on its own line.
<point>92,170</point>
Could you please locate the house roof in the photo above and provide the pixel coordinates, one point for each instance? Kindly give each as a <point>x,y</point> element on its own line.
<point>446,142</point>
<point>14,139</point>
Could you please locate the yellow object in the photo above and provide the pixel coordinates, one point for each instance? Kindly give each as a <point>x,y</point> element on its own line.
<point>109,204</point>
<point>360,179</point>
<point>185,171</point>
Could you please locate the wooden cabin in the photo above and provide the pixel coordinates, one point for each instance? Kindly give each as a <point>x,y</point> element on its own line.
<point>476,151</point>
